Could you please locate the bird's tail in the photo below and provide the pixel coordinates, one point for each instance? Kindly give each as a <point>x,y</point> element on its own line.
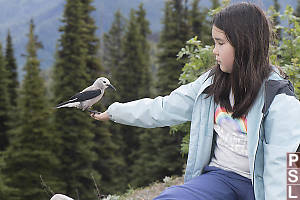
<point>68,104</point>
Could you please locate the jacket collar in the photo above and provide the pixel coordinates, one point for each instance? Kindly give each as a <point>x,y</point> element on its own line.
<point>208,81</point>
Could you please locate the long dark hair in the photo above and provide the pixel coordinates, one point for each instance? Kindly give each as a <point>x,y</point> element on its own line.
<point>249,31</point>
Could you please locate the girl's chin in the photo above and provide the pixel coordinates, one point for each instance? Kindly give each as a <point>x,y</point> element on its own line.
<point>224,69</point>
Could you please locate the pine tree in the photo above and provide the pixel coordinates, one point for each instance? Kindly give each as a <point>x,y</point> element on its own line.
<point>215,4</point>
<point>3,119</point>
<point>129,84</point>
<point>142,173</point>
<point>131,74</point>
<point>199,22</point>
<point>12,85</point>
<point>196,19</point>
<point>107,163</point>
<point>4,104</point>
<point>11,68</point>
<point>30,153</point>
<point>297,10</point>
<point>130,70</point>
<point>164,157</point>
<point>73,126</point>
<point>276,20</point>
<point>175,33</point>
<point>144,30</point>
<point>113,51</point>
<point>93,63</point>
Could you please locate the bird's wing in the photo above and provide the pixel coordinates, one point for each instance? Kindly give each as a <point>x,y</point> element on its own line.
<point>85,95</point>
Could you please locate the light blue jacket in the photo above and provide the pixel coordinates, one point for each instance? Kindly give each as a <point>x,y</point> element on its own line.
<point>268,142</point>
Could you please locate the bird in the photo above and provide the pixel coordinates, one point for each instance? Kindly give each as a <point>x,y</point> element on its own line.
<point>85,99</point>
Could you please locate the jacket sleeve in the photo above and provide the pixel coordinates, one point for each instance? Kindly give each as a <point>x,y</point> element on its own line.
<point>169,110</point>
<point>282,135</point>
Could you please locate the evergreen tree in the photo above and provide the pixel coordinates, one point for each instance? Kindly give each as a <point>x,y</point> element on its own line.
<point>4,104</point>
<point>30,153</point>
<point>215,4</point>
<point>199,23</point>
<point>107,163</point>
<point>196,19</point>
<point>175,32</point>
<point>276,19</point>
<point>130,70</point>
<point>12,85</point>
<point>164,156</point>
<point>297,10</point>
<point>142,171</point>
<point>144,31</point>
<point>73,126</point>
<point>93,63</point>
<point>11,68</point>
<point>113,51</point>
<point>130,82</point>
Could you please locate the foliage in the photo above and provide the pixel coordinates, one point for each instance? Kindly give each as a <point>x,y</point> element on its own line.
<point>165,159</point>
<point>176,30</point>
<point>4,105</point>
<point>143,169</point>
<point>12,85</point>
<point>112,59</point>
<point>106,163</point>
<point>144,31</point>
<point>217,8</point>
<point>200,59</point>
<point>286,53</point>
<point>297,11</point>
<point>200,23</point>
<point>113,49</point>
<point>30,152</point>
<point>11,67</point>
<point>74,129</point>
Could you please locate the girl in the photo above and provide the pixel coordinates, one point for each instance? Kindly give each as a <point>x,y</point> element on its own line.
<point>234,152</point>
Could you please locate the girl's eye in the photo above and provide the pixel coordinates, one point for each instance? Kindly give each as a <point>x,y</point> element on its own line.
<point>220,43</point>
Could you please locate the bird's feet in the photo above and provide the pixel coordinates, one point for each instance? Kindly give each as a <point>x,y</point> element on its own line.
<point>93,111</point>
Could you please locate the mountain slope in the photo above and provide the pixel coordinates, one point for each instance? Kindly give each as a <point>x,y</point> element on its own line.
<point>16,14</point>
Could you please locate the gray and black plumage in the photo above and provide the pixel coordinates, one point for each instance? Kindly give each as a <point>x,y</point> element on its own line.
<point>85,99</point>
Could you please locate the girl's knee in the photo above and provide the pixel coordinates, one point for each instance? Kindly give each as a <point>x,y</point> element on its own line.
<point>171,193</point>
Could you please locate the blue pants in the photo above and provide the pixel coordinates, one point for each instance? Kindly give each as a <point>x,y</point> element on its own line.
<point>213,184</point>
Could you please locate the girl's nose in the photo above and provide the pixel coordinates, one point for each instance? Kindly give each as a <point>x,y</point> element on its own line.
<point>215,51</point>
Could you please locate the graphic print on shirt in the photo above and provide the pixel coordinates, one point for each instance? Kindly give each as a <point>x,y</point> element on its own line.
<point>223,117</point>
<point>232,132</point>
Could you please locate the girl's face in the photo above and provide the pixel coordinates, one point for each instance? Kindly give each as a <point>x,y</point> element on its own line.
<point>223,50</point>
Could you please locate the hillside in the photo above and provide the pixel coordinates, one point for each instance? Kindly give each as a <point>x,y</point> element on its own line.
<point>15,16</point>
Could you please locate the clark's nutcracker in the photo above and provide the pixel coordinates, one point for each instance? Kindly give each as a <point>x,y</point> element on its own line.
<point>60,197</point>
<point>89,96</point>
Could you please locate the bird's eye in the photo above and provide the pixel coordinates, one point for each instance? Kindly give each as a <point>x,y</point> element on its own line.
<point>104,81</point>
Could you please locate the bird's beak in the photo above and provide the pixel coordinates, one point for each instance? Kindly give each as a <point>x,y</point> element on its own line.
<point>111,86</point>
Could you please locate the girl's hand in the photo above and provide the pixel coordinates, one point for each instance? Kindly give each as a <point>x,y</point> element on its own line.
<point>101,117</point>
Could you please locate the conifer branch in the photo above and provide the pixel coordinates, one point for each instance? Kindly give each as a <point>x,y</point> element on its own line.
<point>77,194</point>
<point>97,189</point>
<point>46,188</point>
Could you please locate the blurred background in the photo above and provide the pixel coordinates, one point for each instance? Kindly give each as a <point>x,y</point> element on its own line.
<point>51,50</point>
